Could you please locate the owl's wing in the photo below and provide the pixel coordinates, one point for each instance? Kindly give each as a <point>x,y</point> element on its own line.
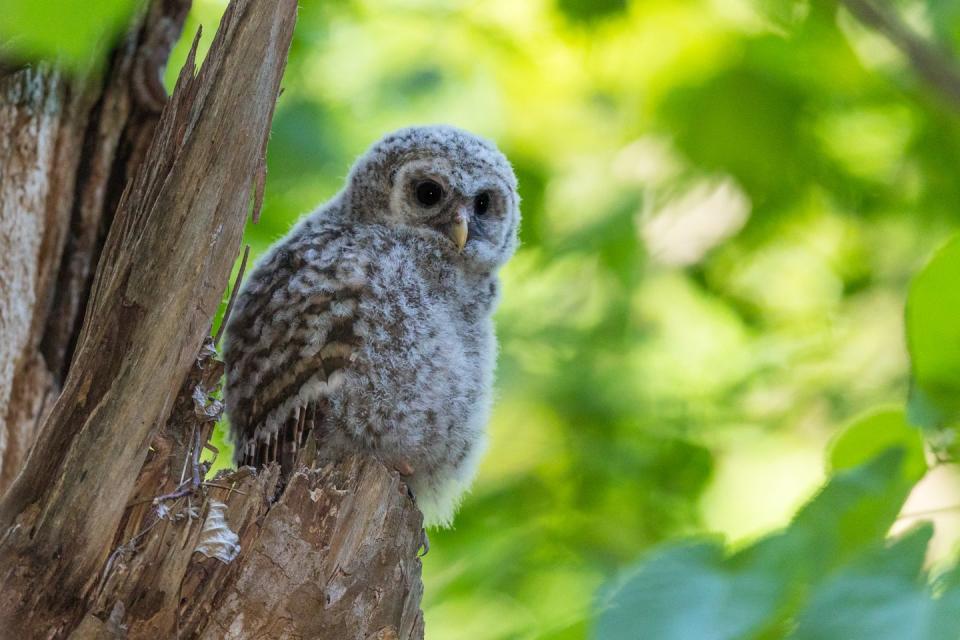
<point>289,344</point>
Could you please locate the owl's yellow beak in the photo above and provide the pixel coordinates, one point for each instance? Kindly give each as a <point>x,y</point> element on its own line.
<point>459,229</point>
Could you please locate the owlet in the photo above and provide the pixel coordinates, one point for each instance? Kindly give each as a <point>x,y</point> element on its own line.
<point>369,325</point>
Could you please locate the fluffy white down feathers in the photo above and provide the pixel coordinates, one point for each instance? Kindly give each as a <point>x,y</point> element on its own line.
<point>369,325</point>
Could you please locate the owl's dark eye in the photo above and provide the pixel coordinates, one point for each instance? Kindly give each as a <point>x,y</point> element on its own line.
<point>481,203</point>
<point>428,193</point>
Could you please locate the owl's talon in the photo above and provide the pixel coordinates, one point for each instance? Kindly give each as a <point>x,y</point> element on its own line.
<point>424,543</point>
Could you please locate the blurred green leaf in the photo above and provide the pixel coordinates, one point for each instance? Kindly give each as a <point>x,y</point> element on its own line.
<point>304,144</point>
<point>614,239</point>
<point>591,10</point>
<point>694,591</point>
<point>690,591</point>
<point>933,335</point>
<point>785,13</point>
<point>532,180</point>
<point>882,596</point>
<point>869,434</point>
<point>853,511</point>
<point>922,411</point>
<point>945,20</point>
<point>72,30</point>
<point>739,122</point>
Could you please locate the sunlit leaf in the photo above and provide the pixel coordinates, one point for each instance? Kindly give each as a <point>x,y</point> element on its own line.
<point>933,332</point>
<point>873,432</point>
<point>851,513</point>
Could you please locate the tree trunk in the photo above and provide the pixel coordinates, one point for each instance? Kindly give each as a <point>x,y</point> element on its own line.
<point>103,175</point>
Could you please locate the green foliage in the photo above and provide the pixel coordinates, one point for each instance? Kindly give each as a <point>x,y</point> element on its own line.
<point>715,599</point>
<point>873,432</point>
<point>933,337</point>
<point>68,30</point>
<point>945,19</point>
<point>809,573</point>
<point>830,574</point>
<point>882,595</point>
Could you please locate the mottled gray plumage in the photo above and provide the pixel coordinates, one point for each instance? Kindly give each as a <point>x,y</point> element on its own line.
<point>369,326</point>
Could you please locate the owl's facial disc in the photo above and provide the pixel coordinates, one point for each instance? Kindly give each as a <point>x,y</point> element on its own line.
<point>425,197</point>
<point>472,213</point>
<point>452,221</point>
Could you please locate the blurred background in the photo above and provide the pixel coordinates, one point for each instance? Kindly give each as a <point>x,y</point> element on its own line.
<point>724,202</point>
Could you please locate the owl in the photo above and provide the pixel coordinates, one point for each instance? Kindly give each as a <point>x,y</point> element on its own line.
<point>368,327</point>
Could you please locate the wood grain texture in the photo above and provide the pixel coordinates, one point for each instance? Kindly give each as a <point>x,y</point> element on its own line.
<point>335,557</point>
<point>84,137</point>
<point>33,104</point>
<point>163,269</point>
<point>119,128</point>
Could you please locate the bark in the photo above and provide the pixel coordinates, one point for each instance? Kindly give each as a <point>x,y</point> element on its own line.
<point>68,148</point>
<point>94,180</point>
<point>33,105</point>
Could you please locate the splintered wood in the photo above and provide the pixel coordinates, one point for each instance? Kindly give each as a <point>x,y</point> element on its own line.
<point>318,552</point>
<point>335,556</point>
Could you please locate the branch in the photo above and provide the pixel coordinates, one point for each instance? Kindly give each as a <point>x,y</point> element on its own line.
<point>935,66</point>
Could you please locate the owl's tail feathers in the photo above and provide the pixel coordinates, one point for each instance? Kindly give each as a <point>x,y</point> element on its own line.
<point>282,445</point>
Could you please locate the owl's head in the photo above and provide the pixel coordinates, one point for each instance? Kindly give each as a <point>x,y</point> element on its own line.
<point>445,185</point>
